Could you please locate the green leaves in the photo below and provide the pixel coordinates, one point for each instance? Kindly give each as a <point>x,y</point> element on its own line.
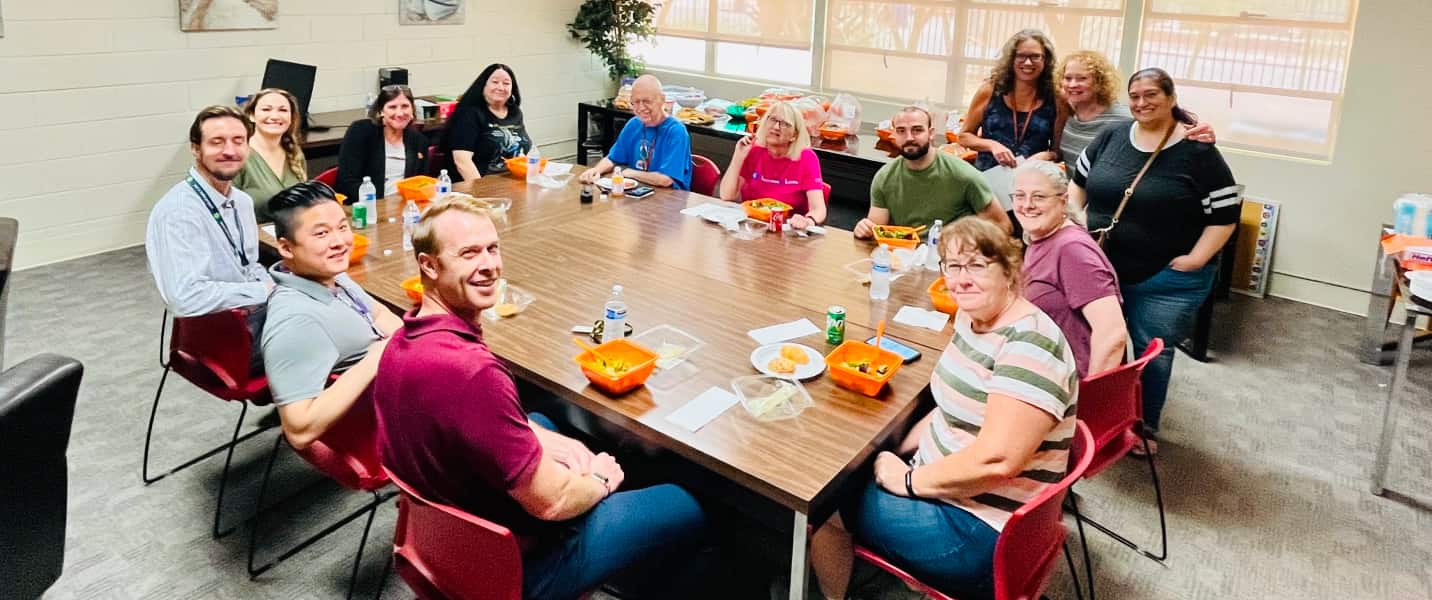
<point>608,27</point>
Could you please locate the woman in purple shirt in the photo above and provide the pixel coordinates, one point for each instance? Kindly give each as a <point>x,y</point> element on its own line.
<point>1066,274</point>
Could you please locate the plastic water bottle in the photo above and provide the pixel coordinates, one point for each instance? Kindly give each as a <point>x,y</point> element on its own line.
<point>410,223</point>
<point>614,316</point>
<point>444,183</point>
<point>618,182</point>
<point>368,195</point>
<point>880,261</point>
<point>932,257</point>
<point>534,165</point>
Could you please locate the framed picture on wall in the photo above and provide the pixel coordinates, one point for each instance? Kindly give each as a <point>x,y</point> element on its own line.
<point>227,15</point>
<point>431,12</point>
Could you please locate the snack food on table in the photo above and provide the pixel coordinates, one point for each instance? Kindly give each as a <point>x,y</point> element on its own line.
<point>794,354</point>
<point>781,365</point>
<point>896,234</point>
<point>692,116</point>
<point>506,309</point>
<point>782,393</point>
<point>614,367</point>
<point>864,366</point>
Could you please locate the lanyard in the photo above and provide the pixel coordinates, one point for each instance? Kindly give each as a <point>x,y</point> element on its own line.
<point>358,306</point>
<point>219,220</point>
<point>647,150</point>
<point>1018,132</point>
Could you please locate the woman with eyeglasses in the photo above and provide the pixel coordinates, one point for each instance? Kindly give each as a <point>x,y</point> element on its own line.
<point>777,163</point>
<point>1065,273</point>
<point>383,147</point>
<point>1090,84</point>
<point>486,127</point>
<point>1005,390</point>
<point>1017,112</point>
<point>1164,206</point>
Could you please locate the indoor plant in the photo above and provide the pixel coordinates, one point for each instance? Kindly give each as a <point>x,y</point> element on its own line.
<point>608,27</point>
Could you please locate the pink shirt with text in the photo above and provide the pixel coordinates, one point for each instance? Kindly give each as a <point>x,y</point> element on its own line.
<point>782,179</point>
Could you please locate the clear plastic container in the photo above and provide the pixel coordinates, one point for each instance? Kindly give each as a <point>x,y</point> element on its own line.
<point>750,229</point>
<point>672,346</point>
<point>518,298</point>
<point>771,398</point>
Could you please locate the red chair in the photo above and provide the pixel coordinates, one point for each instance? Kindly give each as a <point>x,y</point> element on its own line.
<point>1111,403</point>
<point>445,553</point>
<point>1031,541</point>
<point>437,161</point>
<point>705,175</point>
<point>329,176</point>
<point>348,454</point>
<point>213,353</point>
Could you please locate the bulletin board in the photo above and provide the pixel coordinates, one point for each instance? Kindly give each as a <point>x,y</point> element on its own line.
<point>1253,257</point>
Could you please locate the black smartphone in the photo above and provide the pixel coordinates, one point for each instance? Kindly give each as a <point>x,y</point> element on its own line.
<point>906,353</point>
<point>640,191</point>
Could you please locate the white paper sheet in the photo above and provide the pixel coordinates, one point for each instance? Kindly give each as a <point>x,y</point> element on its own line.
<point>933,320</point>
<point>703,409</point>
<point>556,169</point>
<point>783,331</point>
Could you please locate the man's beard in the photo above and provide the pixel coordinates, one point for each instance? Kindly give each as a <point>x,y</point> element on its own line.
<point>918,153</point>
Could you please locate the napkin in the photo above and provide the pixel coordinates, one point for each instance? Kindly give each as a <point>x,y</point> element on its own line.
<point>556,169</point>
<point>784,331</point>
<point>933,320</point>
<point>703,409</point>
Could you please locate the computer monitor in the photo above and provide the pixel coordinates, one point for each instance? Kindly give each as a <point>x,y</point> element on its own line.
<point>298,80</point>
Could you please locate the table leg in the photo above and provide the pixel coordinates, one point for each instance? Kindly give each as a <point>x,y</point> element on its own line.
<point>1389,411</point>
<point>799,565</point>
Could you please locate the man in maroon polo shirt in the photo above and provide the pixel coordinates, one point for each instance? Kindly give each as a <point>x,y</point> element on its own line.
<point>451,426</point>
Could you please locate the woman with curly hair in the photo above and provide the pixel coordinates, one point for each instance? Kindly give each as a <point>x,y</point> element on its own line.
<point>276,161</point>
<point>1017,112</point>
<point>1090,84</point>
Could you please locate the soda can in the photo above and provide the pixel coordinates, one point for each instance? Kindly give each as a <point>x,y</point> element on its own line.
<point>835,324</point>
<point>360,216</point>
<point>778,220</point>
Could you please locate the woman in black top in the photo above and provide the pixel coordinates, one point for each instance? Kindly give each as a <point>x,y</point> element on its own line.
<point>1017,112</point>
<point>486,127</point>
<point>383,147</point>
<point>1180,214</point>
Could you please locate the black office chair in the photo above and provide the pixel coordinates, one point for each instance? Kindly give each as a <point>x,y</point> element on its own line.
<point>37,408</point>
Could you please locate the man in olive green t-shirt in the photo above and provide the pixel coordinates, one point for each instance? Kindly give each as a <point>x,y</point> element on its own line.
<point>922,185</point>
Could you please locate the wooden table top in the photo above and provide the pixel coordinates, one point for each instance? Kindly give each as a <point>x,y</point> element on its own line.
<point>684,272</point>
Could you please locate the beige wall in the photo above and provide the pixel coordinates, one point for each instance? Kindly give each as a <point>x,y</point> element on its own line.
<point>1331,210</point>
<point>98,94</point>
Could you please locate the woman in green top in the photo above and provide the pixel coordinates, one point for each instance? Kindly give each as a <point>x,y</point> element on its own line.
<point>276,161</point>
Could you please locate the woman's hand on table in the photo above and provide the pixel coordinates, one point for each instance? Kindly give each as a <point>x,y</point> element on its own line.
<point>802,222</point>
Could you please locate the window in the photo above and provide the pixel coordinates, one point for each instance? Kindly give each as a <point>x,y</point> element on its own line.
<point>1268,74</point>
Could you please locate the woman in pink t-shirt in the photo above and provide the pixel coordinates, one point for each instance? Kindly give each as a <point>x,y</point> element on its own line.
<point>778,163</point>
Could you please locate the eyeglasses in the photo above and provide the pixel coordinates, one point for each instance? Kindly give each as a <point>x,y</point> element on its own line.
<point>975,268</point>
<point>1029,58</point>
<point>1036,198</point>
<point>777,123</point>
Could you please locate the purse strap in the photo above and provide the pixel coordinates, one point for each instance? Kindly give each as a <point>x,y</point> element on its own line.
<point>1129,191</point>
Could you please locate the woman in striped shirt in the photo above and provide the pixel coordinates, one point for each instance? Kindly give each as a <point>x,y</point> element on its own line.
<point>1005,392</point>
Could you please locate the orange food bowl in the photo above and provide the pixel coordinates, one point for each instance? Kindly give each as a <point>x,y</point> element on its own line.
<point>517,166</point>
<point>941,298</point>
<point>420,188</point>
<point>760,208</point>
<point>897,237</point>
<point>832,132</point>
<point>637,365</point>
<point>414,287</point>
<point>360,249</point>
<point>869,382</point>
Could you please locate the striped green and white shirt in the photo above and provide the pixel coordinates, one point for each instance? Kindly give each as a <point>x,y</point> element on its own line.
<point>1028,360</point>
<point>1078,134</point>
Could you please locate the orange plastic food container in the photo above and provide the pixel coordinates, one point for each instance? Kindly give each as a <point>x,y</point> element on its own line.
<point>941,298</point>
<point>894,242</point>
<point>517,166</point>
<point>414,287</point>
<point>832,132</point>
<point>640,363</point>
<point>760,208</point>
<point>852,379</point>
<point>360,248</point>
<point>420,188</point>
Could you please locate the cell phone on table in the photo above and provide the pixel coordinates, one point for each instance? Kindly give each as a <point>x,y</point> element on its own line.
<point>640,191</point>
<point>906,353</point>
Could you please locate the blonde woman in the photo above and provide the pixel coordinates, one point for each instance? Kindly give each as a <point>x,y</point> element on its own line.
<point>1090,84</point>
<point>778,163</point>
<point>276,161</point>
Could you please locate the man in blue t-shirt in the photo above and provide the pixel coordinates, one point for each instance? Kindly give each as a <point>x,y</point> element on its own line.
<point>653,148</point>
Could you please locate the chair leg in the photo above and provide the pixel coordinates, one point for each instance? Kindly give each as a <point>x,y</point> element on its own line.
<point>383,581</point>
<point>1083,546</point>
<point>259,509</point>
<point>1163,522</point>
<point>224,475</point>
<point>363,541</point>
<point>149,436</point>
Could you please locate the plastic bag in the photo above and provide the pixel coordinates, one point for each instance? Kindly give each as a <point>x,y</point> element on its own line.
<point>845,112</point>
<point>715,107</point>
<point>811,113</point>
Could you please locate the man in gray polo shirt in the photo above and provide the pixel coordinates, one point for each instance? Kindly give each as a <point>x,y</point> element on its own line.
<point>319,321</point>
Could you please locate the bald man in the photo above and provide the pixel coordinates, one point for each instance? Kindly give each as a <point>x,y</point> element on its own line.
<point>653,148</point>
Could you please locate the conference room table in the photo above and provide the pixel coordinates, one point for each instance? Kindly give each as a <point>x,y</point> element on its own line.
<point>691,274</point>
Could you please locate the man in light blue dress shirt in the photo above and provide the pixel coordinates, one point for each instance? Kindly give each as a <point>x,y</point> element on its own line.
<point>202,241</point>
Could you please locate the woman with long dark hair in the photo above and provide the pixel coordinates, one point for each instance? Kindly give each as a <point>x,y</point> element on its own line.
<point>486,127</point>
<point>1017,112</point>
<point>1164,205</point>
<point>276,155</point>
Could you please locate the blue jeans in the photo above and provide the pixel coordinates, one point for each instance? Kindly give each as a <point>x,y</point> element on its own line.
<point>942,545</point>
<point>1163,306</point>
<point>647,529</point>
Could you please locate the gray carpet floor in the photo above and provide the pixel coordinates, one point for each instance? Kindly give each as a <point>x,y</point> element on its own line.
<point>1265,465</point>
